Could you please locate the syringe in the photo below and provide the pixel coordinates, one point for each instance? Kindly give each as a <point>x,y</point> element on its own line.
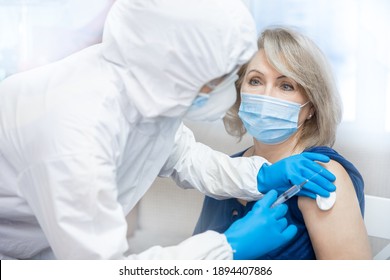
<point>289,193</point>
<point>292,191</point>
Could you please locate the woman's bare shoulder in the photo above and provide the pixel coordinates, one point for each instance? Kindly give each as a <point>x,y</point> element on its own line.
<point>338,233</point>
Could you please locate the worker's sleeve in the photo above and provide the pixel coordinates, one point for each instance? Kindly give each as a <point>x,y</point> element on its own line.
<point>195,165</point>
<point>74,200</point>
<point>209,245</point>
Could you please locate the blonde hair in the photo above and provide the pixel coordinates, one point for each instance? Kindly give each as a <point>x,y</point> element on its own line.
<point>297,57</point>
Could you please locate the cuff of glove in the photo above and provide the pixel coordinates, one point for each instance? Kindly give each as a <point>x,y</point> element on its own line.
<point>261,185</point>
<point>260,163</point>
<point>220,249</point>
<point>229,249</point>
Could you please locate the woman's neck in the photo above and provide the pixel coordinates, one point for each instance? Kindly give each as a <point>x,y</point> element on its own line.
<point>274,153</point>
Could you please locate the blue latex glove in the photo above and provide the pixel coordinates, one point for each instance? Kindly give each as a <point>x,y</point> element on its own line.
<point>293,171</point>
<point>262,230</point>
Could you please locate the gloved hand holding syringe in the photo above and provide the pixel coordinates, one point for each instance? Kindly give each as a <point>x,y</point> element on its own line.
<point>329,201</point>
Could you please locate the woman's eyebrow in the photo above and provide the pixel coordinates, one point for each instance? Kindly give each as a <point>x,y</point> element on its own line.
<point>257,71</point>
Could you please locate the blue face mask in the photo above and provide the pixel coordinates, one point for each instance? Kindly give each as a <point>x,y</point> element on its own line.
<point>270,120</point>
<point>200,100</point>
<point>213,106</point>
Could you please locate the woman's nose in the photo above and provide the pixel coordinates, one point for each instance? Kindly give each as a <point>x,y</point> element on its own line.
<point>268,90</point>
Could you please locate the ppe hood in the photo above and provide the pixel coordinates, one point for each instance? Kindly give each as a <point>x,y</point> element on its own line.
<point>166,50</point>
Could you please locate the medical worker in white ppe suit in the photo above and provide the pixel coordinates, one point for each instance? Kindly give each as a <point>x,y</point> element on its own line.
<point>82,139</point>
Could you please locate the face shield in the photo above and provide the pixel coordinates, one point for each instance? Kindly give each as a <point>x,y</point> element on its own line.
<point>213,106</point>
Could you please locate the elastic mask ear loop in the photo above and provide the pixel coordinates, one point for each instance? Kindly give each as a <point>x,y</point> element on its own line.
<point>303,105</point>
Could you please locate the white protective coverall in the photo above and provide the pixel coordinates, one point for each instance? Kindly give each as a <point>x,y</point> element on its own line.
<point>82,139</point>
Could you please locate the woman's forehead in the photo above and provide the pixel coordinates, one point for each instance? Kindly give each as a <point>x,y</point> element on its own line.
<point>260,63</point>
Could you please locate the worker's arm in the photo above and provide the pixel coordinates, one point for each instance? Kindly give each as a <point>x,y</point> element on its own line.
<point>74,197</point>
<point>262,230</point>
<point>195,165</point>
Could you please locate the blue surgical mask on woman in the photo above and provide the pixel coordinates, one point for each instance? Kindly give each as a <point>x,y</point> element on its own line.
<point>270,120</point>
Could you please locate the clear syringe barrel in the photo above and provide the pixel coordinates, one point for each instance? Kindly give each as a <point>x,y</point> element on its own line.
<point>289,193</point>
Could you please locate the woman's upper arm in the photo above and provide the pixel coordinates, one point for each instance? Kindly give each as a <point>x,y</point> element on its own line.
<point>338,233</point>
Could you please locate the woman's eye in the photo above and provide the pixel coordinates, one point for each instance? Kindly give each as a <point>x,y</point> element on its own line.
<point>254,82</point>
<point>287,87</point>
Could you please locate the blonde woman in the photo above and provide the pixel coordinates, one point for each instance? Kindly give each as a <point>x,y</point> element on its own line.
<point>288,102</point>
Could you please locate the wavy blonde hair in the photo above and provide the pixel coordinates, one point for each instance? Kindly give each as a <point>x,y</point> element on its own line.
<point>297,57</point>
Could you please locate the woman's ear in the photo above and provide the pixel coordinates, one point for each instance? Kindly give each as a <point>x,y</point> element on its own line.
<point>311,113</point>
